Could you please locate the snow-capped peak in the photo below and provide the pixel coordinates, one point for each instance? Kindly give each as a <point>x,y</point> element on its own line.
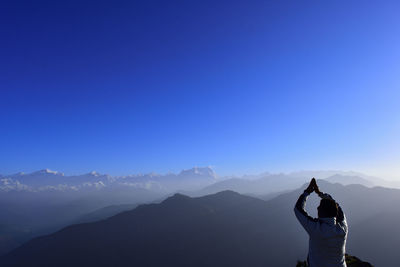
<point>48,171</point>
<point>200,171</point>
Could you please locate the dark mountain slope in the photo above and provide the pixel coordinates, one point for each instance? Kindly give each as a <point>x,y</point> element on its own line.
<point>269,183</point>
<point>24,215</point>
<point>378,237</point>
<point>104,213</point>
<point>347,180</point>
<point>225,229</point>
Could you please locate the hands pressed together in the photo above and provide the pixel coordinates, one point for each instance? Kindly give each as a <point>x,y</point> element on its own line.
<point>313,187</point>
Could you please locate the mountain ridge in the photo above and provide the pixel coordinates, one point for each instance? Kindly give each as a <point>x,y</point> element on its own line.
<point>219,225</point>
<point>47,179</point>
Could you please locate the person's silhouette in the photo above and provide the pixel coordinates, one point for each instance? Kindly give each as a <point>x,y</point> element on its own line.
<point>328,232</point>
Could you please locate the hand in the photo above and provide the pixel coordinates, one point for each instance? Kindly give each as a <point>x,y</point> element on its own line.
<point>311,187</point>
<point>316,189</point>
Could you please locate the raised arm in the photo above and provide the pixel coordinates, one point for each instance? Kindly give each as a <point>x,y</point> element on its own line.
<point>302,216</point>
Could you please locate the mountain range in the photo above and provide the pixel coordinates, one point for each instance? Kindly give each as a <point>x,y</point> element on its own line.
<point>226,228</point>
<point>195,179</point>
<point>48,180</point>
<point>45,201</point>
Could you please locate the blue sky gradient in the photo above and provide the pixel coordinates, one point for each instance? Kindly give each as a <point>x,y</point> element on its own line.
<point>243,86</point>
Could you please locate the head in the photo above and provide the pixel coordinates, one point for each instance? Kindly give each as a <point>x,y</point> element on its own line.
<point>327,208</point>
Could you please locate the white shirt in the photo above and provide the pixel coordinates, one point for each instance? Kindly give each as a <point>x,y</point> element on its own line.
<point>327,236</point>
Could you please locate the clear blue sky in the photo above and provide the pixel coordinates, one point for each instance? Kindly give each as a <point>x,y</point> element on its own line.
<point>244,86</point>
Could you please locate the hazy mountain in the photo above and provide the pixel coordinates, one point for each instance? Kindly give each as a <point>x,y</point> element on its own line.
<point>359,178</point>
<point>51,178</point>
<point>46,180</point>
<point>43,201</point>
<point>190,179</point>
<point>26,214</point>
<point>323,174</point>
<point>105,213</point>
<point>219,230</point>
<point>187,180</point>
<point>269,183</point>
<point>12,236</point>
<point>347,180</point>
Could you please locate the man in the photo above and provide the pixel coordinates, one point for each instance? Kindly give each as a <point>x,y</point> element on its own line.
<point>328,232</point>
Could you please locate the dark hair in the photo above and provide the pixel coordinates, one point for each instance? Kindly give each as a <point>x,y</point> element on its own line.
<point>328,208</point>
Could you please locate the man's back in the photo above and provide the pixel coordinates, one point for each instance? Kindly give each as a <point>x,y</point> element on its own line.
<point>327,234</point>
<point>327,243</point>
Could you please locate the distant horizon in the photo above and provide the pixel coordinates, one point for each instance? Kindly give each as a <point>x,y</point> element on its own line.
<point>349,172</point>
